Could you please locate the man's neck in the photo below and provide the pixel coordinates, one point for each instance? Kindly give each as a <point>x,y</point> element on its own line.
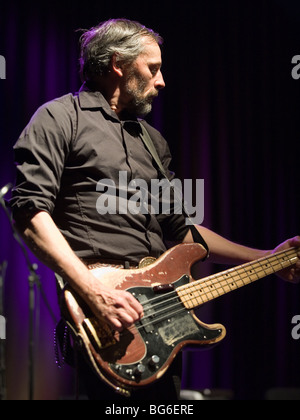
<point>111,92</point>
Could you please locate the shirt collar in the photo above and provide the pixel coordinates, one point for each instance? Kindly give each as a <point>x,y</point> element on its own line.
<point>90,99</point>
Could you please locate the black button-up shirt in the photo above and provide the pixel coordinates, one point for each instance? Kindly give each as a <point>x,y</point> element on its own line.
<point>70,145</point>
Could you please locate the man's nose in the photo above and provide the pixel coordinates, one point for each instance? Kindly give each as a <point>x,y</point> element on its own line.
<point>160,83</point>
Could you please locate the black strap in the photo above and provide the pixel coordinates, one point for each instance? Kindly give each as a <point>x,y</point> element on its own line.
<point>197,237</point>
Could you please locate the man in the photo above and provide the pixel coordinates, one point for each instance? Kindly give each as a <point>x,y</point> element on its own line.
<point>74,142</point>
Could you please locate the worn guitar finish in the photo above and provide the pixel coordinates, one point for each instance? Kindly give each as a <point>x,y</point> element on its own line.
<point>141,354</point>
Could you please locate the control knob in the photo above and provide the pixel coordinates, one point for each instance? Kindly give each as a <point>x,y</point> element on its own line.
<point>154,361</point>
<point>139,370</point>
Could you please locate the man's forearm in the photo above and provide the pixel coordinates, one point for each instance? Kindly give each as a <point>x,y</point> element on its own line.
<point>44,239</point>
<point>224,251</point>
<point>118,307</point>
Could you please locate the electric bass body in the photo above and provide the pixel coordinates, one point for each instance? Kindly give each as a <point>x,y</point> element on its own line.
<point>142,354</point>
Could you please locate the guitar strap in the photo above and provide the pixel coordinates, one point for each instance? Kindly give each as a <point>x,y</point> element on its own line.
<point>197,237</point>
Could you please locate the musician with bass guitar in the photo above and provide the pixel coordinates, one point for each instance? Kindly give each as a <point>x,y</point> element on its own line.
<point>131,319</point>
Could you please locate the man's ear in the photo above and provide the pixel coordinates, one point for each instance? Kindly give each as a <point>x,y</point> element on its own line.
<point>117,68</point>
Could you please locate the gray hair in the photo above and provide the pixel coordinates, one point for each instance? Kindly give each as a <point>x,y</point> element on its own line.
<point>122,37</point>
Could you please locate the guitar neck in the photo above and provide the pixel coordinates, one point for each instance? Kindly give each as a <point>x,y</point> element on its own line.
<point>201,291</point>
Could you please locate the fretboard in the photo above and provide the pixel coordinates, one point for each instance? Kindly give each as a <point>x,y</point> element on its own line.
<point>201,291</point>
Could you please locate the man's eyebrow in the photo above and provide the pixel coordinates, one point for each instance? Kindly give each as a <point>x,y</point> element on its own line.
<point>154,64</point>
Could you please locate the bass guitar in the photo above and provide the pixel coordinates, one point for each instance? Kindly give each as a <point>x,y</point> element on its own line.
<point>141,354</point>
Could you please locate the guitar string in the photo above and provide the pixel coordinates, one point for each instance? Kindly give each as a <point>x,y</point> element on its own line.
<point>244,272</point>
<point>165,316</point>
<point>251,264</point>
<point>183,308</point>
<point>213,279</point>
<point>188,292</point>
<point>165,302</point>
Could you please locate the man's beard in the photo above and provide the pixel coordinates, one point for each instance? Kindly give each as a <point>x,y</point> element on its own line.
<point>139,105</point>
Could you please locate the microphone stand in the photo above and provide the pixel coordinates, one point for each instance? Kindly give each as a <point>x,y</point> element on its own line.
<point>2,339</point>
<point>33,282</point>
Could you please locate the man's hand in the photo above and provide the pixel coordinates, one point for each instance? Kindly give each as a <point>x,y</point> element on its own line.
<point>117,307</point>
<point>291,274</point>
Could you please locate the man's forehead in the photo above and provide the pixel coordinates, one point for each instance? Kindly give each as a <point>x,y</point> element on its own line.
<point>151,51</point>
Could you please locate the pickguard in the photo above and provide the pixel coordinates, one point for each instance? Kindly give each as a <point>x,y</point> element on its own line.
<point>166,325</point>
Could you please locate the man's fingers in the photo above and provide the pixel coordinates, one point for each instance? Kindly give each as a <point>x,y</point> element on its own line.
<point>121,309</point>
<point>123,319</point>
<point>135,306</point>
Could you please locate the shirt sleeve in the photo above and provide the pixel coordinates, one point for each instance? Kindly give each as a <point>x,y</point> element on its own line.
<point>40,153</point>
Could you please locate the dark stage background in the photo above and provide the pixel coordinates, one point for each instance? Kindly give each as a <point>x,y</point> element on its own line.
<point>230,112</point>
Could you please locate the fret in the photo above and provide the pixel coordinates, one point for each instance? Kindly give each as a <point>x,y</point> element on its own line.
<point>194,295</point>
<point>211,289</point>
<point>201,291</point>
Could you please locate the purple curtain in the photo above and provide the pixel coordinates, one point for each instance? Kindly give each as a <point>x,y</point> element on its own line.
<point>230,112</point>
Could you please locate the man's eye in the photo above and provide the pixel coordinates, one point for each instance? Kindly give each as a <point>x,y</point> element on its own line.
<point>154,70</point>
